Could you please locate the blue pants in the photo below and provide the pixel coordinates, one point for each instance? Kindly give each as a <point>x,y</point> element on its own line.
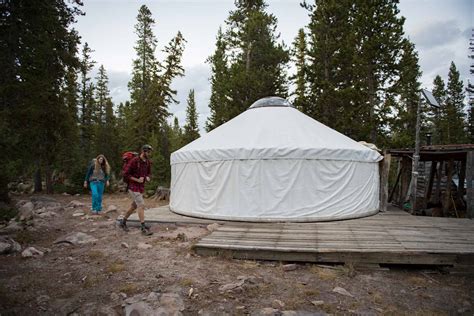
<point>97,189</point>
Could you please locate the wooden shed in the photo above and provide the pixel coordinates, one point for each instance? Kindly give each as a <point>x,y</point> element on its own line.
<point>445,185</point>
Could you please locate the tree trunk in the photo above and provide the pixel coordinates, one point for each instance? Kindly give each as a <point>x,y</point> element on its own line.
<point>4,188</point>
<point>37,178</point>
<point>49,180</point>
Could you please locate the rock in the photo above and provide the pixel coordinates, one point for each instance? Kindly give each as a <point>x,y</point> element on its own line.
<point>32,252</point>
<point>170,304</point>
<point>212,227</point>
<point>20,203</point>
<point>25,212</point>
<point>143,245</point>
<point>114,297</point>
<point>289,267</point>
<point>139,309</point>
<point>230,286</point>
<point>317,303</point>
<point>66,194</point>
<point>342,291</point>
<point>107,311</point>
<point>268,311</point>
<point>278,304</point>
<point>124,245</point>
<point>111,208</point>
<point>75,204</point>
<point>42,299</point>
<point>47,214</point>
<point>76,239</point>
<point>13,226</point>
<point>78,213</point>
<point>294,313</point>
<point>40,210</point>
<point>182,237</point>
<point>8,245</point>
<point>162,193</point>
<point>152,297</point>
<point>135,299</point>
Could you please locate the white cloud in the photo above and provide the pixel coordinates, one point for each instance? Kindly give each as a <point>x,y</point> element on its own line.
<point>437,33</point>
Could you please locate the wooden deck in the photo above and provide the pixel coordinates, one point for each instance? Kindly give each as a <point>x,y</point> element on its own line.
<point>392,237</point>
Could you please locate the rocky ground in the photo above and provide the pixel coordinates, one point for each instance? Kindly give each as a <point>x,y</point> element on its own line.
<point>58,260</point>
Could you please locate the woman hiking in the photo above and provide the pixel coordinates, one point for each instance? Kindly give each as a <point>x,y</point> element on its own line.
<point>97,177</point>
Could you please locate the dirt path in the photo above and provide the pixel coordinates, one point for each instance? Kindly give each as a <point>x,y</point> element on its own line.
<point>117,272</point>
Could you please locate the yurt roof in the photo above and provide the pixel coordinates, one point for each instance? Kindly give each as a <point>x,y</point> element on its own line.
<point>273,129</point>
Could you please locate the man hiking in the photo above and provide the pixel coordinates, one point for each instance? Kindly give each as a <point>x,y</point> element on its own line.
<point>136,173</point>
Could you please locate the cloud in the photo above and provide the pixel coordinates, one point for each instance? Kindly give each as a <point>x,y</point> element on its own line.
<point>118,81</point>
<point>438,33</point>
<point>197,78</point>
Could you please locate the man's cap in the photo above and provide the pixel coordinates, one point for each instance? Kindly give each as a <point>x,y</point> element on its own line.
<point>147,147</point>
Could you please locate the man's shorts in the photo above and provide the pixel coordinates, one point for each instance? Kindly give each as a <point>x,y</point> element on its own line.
<point>137,198</point>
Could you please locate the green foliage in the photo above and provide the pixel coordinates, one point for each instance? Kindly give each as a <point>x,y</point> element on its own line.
<point>354,53</point>
<point>452,112</point>
<point>38,65</point>
<point>191,129</point>
<point>248,63</point>
<point>470,91</point>
<point>403,125</point>
<point>300,79</point>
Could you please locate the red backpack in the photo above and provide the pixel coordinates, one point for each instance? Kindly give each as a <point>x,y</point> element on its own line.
<point>126,158</point>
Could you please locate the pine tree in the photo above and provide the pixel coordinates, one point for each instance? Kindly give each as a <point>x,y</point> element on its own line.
<point>379,37</point>
<point>219,84</point>
<point>453,112</point>
<point>106,140</point>
<point>176,136</point>
<point>86,102</point>
<point>408,88</point>
<point>150,87</point>
<point>439,92</point>
<point>191,129</point>
<point>102,95</point>
<point>256,62</point>
<point>470,92</point>
<point>354,50</point>
<point>300,79</point>
<point>330,69</point>
<point>46,48</point>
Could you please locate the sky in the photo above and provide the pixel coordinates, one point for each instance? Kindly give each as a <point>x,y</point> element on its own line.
<point>440,29</point>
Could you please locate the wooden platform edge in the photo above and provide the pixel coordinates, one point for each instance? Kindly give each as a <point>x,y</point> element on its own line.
<point>412,258</point>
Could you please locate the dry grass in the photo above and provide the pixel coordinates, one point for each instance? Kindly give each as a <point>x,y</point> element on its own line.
<point>129,288</point>
<point>117,266</point>
<point>92,281</point>
<point>25,237</point>
<point>323,273</point>
<point>185,282</point>
<point>417,280</point>
<point>95,254</point>
<point>377,298</point>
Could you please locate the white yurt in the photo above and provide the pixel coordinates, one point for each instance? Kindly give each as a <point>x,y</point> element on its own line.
<point>274,163</point>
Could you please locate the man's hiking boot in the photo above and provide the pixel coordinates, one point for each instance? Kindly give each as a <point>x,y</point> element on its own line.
<point>146,231</point>
<point>123,224</point>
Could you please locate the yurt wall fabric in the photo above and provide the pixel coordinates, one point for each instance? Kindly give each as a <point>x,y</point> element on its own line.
<point>274,164</point>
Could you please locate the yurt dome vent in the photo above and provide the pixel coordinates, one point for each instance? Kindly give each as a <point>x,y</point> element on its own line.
<point>270,102</point>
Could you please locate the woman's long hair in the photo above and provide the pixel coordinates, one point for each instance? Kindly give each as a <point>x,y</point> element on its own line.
<point>105,165</point>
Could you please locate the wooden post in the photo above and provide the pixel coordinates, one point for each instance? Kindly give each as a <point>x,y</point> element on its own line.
<point>434,164</point>
<point>439,175</point>
<point>470,183</point>
<point>447,197</point>
<point>462,177</point>
<point>396,184</point>
<point>406,175</point>
<point>384,181</point>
